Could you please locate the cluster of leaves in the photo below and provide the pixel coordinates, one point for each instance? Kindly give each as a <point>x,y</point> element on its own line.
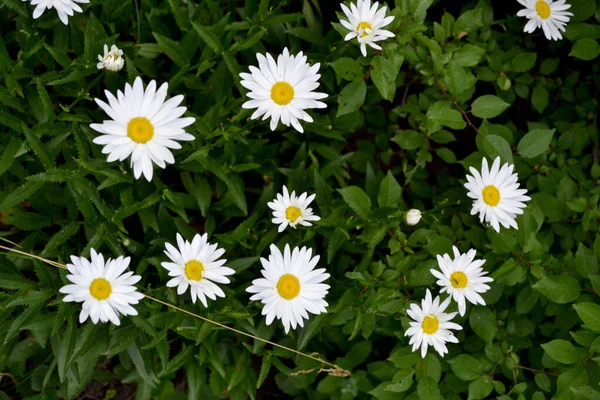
<point>459,82</point>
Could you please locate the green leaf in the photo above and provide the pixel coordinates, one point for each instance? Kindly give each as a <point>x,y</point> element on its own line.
<point>40,149</point>
<point>483,322</point>
<point>148,376</point>
<point>480,388</point>
<point>358,200</point>
<point>497,146</point>
<point>561,350</point>
<point>352,97</point>
<point>63,348</point>
<point>488,106</point>
<point>523,62</point>
<point>535,142</point>
<point>347,68</point>
<point>31,298</point>
<point>390,192</point>
<point>559,289</point>
<point>209,37</point>
<point>441,114</point>
<point>384,75</point>
<point>248,42</point>
<point>427,389</point>
<point>173,50</point>
<point>540,98</point>
<point>466,367</point>
<point>409,140</point>
<point>265,367</point>
<point>10,281</point>
<point>589,314</point>
<point>585,49</point>
<point>19,194</point>
<point>468,56</point>
<point>61,237</point>
<point>9,153</point>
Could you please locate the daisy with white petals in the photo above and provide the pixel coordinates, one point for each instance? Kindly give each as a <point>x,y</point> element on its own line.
<point>550,15</point>
<point>462,278</point>
<point>112,60</point>
<point>104,288</point>
<point>196,265</point>
<point>291,210</point>
<point>64,8</point>
<point>431,325</point>
<point>496,194</point>
<point>282,90</point>
<point>144,126</point>
<point>365,23</point>
<point>291,287</point>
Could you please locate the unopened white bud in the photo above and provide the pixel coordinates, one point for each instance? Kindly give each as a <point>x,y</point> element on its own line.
<point>412,217</point>
<point>112,60</point>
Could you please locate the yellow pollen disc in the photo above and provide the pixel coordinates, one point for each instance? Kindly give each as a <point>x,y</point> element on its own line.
<point>543,9</point>
<point>430,324</point>
<point>459,280</point>
<point>193,270</point>
<point>491,195</point>
<point>282,93</point>
<point>364,25</point>
<point>293,213</point>
<point>140,129</point>
<point>288,286</point>
<point>100,289</point>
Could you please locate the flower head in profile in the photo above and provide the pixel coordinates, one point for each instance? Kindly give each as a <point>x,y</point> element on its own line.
<point>143,126</point>
<point>104,288</point>
<point>292,210</point>
<point>431,325</point>
<point>64,8</point>
<point>463,278</point>
<point>496,194</point>
<point>365,22</point>
<point>291,287</point>
<point>550,15</point>
<point>112,60</point>
<point>196,265</point>
<point>283,89</point>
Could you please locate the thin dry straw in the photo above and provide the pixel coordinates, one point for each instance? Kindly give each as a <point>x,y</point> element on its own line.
<point>334,370</point>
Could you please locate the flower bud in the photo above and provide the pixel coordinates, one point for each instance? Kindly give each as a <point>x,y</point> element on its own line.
<point>412,217</point>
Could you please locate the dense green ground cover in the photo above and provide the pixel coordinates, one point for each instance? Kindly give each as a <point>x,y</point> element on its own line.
<point>401,128</point>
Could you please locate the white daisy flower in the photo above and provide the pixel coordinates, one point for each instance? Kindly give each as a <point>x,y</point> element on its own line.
<point>283,89</point>
<point>431,326</point>
<point>412,217</point>
<point>365,23</point>
<point>112,60</point>
<point>291,286</point>
<point>197,265</point>
<point>103,288</point>
<point>291,210</point>
<point>462,278</point>
<point>143,126</point>
<point>496,194</point>
<point>64,8</point>
<point>551,15</point>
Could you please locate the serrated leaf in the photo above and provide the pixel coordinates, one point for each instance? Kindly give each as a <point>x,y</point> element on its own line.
<point>357,199</point>
<point>209,37</point>
<point>38,147</point>
<point>173,50</point>
<point>61,237</point>
<point>13,282</point>
<point>31,298</point>
<point>19,194</point>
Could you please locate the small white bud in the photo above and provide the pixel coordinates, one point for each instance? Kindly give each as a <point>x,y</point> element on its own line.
<point>112,60</point>
<point>412,217</point>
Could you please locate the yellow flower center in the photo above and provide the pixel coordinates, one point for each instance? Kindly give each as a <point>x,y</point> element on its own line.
<point>193,270</point>
<point>366,28</point>
<point>140,129</point>
<point>459,280</point>
<point>100,289</point>
<point>542,8</point>
<point>491,195</point>
<point>282,93</point>
<point>293,213</point>
<point>430,324</point>
<point>288,286</point>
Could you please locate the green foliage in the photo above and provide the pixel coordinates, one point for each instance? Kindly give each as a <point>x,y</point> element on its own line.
<point>460,81</point>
